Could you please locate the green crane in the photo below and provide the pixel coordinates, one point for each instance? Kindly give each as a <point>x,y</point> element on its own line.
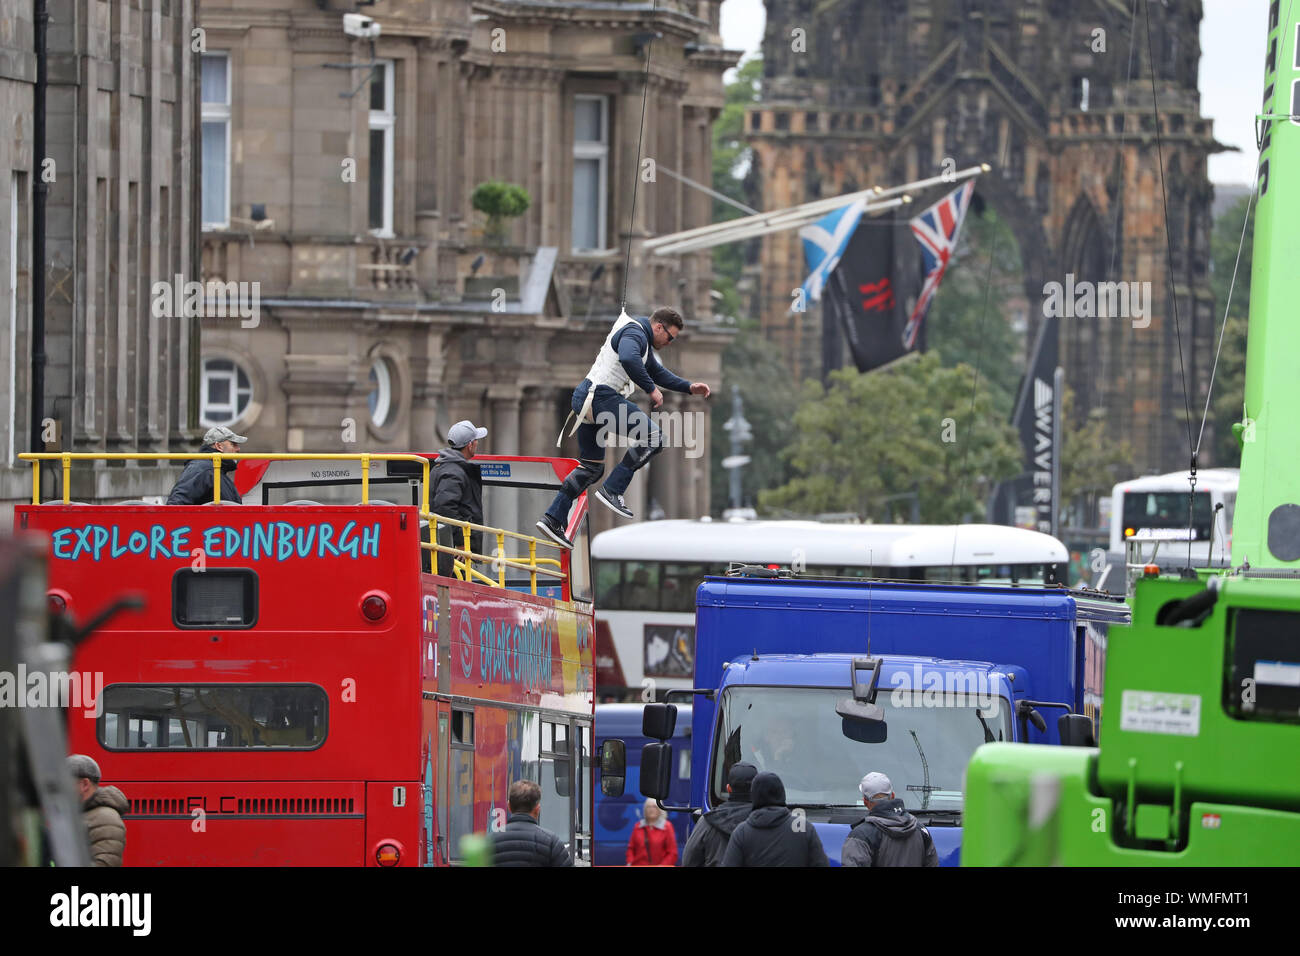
<point>1196,761</point>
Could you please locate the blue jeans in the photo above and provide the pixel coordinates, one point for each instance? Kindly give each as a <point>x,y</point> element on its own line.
<point>609,410</point>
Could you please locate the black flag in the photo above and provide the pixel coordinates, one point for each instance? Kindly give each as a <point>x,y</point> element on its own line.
<point>1034,419</point>
<point>870,294</point>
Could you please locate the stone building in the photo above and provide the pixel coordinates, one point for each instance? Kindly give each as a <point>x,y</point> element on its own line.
<point>338,174</point>
<point>120,215</point>
<point>1056,95</point>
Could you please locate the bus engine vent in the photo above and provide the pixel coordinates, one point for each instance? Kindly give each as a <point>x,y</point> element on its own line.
<point>243,806</point>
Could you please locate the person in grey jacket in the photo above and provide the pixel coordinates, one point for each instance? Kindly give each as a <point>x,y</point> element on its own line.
<point>523,842</point>
<point>890,836</point>
<point>771,835</point>
<point>708,841</point>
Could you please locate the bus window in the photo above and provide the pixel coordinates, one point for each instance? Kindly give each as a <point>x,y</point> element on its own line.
<point>554,777</point>
<point>582,805</point>
<point>609,585</point>
<point>580,563</point>
<point>640,590</point>
<point>679,584</point>
<point>461,811</point>
<point>207,716</point>
<point>1157,510</point>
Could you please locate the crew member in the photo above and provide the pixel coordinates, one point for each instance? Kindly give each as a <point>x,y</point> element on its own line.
<point>890,836</point>
<point>626,360</point>
<point>456,490</point>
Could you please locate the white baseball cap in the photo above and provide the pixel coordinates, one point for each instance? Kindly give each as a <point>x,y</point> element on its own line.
<point>462,433</point>
<point>875,783</point>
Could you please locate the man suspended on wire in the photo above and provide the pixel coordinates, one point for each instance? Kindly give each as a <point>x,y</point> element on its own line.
<point>626,360</point>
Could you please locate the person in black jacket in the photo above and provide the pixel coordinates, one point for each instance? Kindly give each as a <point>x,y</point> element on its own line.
<point>194,487</point>
<point>771,835</point>
<point>708,841</point>
<point>456,491</point>
<point>523,842</point>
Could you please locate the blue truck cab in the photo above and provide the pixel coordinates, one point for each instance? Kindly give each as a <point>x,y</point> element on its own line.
<point>957,666</point>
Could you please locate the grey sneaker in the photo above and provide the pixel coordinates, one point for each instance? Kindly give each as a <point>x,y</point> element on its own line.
<point>613,502</point>
<point>551,528</point>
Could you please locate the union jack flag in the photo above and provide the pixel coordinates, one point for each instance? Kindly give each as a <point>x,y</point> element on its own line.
<point>936,230</point>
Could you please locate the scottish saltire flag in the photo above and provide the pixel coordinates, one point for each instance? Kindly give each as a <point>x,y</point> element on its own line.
<point>936,230</point>
<point>823,244</point>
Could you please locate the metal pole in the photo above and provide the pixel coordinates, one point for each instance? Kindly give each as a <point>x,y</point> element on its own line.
<point>39,190</point>
<point>1058,431</point>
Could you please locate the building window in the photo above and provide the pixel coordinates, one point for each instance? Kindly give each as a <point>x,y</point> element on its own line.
<point>382,118</point>
<point>381,392</point>
<point>590,171</point>
<point>227,392</point>
<point>215,84</point>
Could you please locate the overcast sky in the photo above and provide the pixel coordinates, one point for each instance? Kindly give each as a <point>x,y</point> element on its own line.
<point>1232,71</point>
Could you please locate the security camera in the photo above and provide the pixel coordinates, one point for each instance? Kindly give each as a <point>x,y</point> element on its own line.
<point>356,25</point>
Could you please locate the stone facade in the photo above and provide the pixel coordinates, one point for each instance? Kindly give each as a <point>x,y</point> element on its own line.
<point>456,326</point>
<point>122,184</point>
<point>881,92</point>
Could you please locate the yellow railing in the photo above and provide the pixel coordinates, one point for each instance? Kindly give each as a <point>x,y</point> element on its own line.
<point>464,566</point>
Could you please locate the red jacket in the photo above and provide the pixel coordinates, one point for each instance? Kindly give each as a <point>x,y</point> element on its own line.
<point>663,845</point>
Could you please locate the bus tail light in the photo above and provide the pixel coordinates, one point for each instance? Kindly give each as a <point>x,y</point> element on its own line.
<point>388,854</point>
<point>374,607</point>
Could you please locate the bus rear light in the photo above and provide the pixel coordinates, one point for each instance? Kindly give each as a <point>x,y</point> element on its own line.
<point>374,607</point>
<point>388,855</point>
<point>57,601</point>
<point>1129,532</point>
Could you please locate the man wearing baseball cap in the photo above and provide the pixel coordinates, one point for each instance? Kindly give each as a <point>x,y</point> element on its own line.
<point>456,491</point>
<point>195,484</point>
<point>708,841</point>
<point>889,836</point>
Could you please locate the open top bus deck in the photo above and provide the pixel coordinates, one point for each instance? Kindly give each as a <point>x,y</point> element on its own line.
<point>299,689</point>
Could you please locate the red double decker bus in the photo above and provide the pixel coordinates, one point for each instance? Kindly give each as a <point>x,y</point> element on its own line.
<point>300,690</point>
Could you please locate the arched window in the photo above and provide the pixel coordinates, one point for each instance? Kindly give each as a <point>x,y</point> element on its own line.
<point>382,379</point>
<point>226,391</point>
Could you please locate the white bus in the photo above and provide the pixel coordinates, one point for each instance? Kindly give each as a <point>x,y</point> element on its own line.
<point>1155,508</point>
<point>646,575</point>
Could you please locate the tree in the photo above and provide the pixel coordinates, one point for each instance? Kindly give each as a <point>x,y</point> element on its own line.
<point>1092,462</point>
<point>756,366</point>
<point>1230,379</point>
<point>732,157</point>
<point>906,428</point>
<point>499,201</point>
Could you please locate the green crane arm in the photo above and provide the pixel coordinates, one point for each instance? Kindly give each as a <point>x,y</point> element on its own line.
<point>1266,523</point>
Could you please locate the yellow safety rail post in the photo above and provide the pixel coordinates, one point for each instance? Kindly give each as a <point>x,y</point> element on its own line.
<point>67,479</point>
<point>216,478</point>
<point>532,560</point>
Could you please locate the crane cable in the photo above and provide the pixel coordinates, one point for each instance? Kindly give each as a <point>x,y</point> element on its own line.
<point>636,168</point>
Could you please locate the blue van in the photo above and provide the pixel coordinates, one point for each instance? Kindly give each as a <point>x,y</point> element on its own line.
<point>616,816</point>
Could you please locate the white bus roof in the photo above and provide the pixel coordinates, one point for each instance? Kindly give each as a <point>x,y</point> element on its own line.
<point>1218,479</point>
<point>821,545</point>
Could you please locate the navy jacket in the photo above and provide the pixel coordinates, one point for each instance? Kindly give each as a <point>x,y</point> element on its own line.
<point>194,487</point>
<point>524,843</point>
<point>629,343</point>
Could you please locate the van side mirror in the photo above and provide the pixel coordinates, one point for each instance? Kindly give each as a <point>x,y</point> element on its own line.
<point>658,721</point>
<point>1076,730</point>
<point>613,768</point>
<point>656,770</point>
